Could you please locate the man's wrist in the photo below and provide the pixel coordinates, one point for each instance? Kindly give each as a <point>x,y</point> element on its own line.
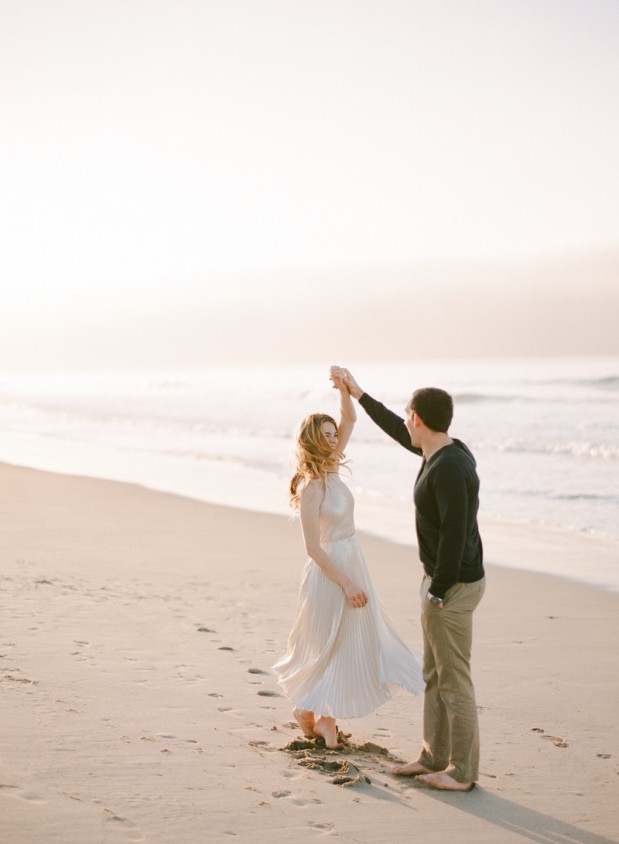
<point>435,600</point>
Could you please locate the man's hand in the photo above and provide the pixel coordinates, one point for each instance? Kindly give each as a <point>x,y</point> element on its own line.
<point>338,373</point>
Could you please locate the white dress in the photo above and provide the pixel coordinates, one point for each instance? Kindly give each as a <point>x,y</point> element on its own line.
<point>343,662</point>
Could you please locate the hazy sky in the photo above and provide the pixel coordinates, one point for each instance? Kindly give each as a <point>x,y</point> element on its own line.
<point>182,182</point>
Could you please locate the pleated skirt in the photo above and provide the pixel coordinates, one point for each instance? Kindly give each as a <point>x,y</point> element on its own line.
<point>344,662</point>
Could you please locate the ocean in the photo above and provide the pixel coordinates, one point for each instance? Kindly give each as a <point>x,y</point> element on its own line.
<point>545,433</point>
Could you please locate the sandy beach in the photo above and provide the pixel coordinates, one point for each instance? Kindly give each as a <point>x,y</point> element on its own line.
<point>137,630</point>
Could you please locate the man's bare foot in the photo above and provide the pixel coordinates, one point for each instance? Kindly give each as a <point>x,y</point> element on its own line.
<point>443,782</point>
<point>305,720</point>
<point>327,728</point>
<point>411,769</point>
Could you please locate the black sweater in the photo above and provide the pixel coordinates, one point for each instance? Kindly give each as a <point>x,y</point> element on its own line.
<point>446,505</point>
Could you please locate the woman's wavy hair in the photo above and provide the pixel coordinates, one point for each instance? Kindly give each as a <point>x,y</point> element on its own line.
<point>313,455</point>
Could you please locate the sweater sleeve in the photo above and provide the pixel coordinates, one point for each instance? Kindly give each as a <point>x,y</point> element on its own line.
<point>451,495</point>
<point>390,422</point>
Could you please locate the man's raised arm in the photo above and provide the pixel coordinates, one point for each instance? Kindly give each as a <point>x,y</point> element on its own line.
<point>390,422</point>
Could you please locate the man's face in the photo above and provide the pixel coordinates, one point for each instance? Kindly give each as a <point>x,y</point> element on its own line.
<point>413,431</point>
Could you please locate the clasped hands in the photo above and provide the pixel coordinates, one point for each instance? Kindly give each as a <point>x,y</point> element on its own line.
<point>340,375</point>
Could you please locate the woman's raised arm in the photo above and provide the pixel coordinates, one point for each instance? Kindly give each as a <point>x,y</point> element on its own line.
<point>348,414</point>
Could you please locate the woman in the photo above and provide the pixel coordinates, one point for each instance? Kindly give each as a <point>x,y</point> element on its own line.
<point>344,653</point>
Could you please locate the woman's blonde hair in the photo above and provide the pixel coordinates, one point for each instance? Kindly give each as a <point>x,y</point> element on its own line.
<point>314,456</point>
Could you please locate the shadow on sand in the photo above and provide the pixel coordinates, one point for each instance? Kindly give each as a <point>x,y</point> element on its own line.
<point>517,819</point>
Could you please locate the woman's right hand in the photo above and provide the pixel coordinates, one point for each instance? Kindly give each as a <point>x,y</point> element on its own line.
<point>356,597</point>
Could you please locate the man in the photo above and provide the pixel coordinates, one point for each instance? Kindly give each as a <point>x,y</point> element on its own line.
<point>446,504</point>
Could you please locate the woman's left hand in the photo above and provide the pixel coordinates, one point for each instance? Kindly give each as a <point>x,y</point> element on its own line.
<point>356,597</point>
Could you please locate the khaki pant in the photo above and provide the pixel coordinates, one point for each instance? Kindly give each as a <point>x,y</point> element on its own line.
<point>450,725</point>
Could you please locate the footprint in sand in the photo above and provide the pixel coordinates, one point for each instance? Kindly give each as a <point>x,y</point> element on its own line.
<point>130,830</point>
<point>556,740</point>
<point>297,801</point>
<point>382,733</point>
<point>19,793</point>
<point>326,825</point>
<point>80,653</point>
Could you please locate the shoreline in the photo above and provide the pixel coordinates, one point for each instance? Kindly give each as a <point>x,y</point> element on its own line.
<point>139,628</point>
<point>526,546</point>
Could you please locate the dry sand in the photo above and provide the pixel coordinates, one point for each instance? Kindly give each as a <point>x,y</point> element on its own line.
<point>136,634</point>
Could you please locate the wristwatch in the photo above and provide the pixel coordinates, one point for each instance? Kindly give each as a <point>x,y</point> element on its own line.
<point>438,602</point>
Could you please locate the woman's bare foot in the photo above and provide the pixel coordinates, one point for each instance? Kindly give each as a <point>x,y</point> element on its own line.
<point>305,720</point>
<point>327,728</point>
<point>411,769</point>
<point>443,782</point>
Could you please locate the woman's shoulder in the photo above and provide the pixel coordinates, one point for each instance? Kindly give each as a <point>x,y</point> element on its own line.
<point>313,489</point>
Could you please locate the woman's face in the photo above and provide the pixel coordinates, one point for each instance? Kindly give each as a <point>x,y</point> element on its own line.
<point>330,432</point>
